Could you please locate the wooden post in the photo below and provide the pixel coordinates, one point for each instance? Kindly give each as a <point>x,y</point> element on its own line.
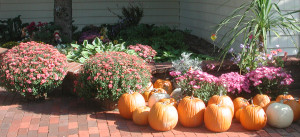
<point>63,17</point>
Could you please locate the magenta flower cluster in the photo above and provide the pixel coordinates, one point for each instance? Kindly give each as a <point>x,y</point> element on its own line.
<point>262,74</point>
<point>199,83</point>
<point>32,68</point>
<point>144,51</point>
<point>110,74</point>
<point>234,82</point>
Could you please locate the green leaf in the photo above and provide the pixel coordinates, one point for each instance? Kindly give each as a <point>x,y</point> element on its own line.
<point>75,45</point>
<point>85,54</point>
<point>89,46</point>
<point>82,60</point>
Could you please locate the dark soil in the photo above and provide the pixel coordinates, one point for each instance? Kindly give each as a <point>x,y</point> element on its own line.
<point>202,46</point>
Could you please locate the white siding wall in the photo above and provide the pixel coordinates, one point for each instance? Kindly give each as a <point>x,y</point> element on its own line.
<point>30,10</point>
<point>160,12</point>
<point>86,12</point>
<point>201,16</point>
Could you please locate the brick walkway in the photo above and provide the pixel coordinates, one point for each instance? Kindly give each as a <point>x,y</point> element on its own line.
<point>69,116</point>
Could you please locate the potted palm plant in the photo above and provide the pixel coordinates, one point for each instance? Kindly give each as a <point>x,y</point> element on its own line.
<point>254,21</point>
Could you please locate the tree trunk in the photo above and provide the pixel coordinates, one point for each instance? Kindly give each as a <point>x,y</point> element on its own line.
<point>63,17</point>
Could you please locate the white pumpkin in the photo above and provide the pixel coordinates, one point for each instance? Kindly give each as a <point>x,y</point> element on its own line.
<point>156,97</point>
<point>177,94</point>
<point>280,115</point>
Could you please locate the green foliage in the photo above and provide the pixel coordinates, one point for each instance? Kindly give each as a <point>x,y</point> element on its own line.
<point>108,75</point>
<point>81,53</point>
<point>11,29</point>
<point>253,21</point>
<point>10,44</point>
<point>45,33</point>
<point>168,43</point>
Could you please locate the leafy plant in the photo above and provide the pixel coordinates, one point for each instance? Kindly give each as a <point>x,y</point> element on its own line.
<point>10,44</point>
<point>11,29</point>
<point>185,63</point>
<point>108,75</point>
<point>81,53</point>
<point>253,21</point>
<point>131,16</point>
<point>33,69</point>
<point>261,59</point>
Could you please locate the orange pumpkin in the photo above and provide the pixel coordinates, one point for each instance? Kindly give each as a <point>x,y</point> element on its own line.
<point>140,115</point>
<point>283,97</point>
<point>157,90</point>
<point>218,118</point>
<point>128,102</point>
<point>261,100</point>
<point>171,101</point>
<point>266,107</point>
<point>239,102</point>
<point>295,107</point>
<point>164,84</point>
<point>253,117</point>
<point>146,95</point>
<point>191,111</point>
<point>238,114</point>
<point>224,100</point>
<point>163,116</point>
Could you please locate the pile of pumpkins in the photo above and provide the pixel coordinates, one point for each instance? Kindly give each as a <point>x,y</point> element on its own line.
<point>164,112</point>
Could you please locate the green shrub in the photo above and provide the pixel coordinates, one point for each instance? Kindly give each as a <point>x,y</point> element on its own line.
<point>168,43</point>
<point>81,53</point>
<point>110,74</point>
<point>10,44</point>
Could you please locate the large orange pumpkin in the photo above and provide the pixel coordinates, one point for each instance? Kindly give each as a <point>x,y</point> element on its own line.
<point>164,84</point>
<point>217,118</point>
<point>191,111</point>
<point>224,100</point>
<point>295,107</point>
<point>266,107</point>
<point>253,117</point>
<point>261,100</point>
<point>128,102</point>
<point>157,90</point>
<point>239,102</point>
<point>140,115</point>
<point>283,97</point>
<point>171,101</point>
<point>163,116</point>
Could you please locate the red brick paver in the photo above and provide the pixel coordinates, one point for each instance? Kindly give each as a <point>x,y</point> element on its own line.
<point>69,116</point>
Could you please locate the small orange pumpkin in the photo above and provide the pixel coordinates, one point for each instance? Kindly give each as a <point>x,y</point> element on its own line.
<point>295,107</point>
<point>253,117</point>
<point>239,102</point>
<point>164,84</point>
<point>171,101</point>
<point>128,102</point>
<point>261,100</point>
<point>218,117</point>
<point>146,95</point>
<point>140,115</point>
<point>282,97</point>
<point>224,100</point>
<point>163,116</point>
<point>238,114</point>
<point>157,90</point>
<point>191,111</point>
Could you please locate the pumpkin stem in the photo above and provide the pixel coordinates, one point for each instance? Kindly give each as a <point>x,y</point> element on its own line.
<point>252,102</point>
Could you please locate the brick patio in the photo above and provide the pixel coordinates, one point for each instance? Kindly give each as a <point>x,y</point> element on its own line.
<point>70,116</point>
